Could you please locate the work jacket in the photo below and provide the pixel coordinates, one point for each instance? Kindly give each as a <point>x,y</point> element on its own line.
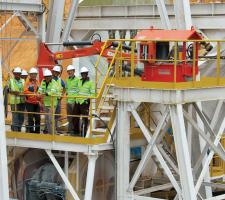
<point>86,88</point>
<point>49,90</point>
<point>31,87</point>
<point>60,83</point>
<point>16,86</point>
<point>72,89</point>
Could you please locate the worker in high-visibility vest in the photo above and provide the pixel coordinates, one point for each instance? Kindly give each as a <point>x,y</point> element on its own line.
<point>49,88</point>
<point>16,86</point>
<point>32,102</point>
<point>72,91</point>
<point>86,88</point>
<point>56,71</point>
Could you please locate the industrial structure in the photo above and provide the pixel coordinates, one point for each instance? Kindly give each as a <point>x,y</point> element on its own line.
<point>156,121</point>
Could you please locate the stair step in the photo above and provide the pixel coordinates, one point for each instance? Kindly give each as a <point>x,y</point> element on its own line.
<point>110,96</point>
<point>106,107</point>
<point>102,118</point>
<point>99,130</point>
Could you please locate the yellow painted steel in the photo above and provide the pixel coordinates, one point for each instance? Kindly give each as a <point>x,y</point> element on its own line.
<point>122,80</point>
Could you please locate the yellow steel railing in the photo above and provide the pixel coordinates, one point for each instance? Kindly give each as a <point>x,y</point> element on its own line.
<point>203,81</point>
<point>100,96</point>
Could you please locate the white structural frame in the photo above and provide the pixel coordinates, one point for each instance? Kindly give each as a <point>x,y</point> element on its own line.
<point>186,188</point>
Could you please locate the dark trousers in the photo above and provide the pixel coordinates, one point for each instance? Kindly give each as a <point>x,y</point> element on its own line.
<point>70,111</point>
<point>81,109</point>
<point>17,117</point>
<point>34,120</point>
<point>57,111</point>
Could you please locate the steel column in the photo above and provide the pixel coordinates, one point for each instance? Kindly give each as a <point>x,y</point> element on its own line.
<point>4,185</point>
<point>92,157</point>
<point>163,14</point>
<point>69,22</point>
<point>55,20</point>
<point>182,152</point>
<point>42,27</point>
<point>122,151</point>
<point>183,14</point>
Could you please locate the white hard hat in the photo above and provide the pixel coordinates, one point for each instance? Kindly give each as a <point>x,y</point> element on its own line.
<point>17,70</point>
<point>84,69</point>
<point>57,68</point>
<point>33,71</point>
<point>47,72</point>
<point>24,73</point>
<point>70,67</point>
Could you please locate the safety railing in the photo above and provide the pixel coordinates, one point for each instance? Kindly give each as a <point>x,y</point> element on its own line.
<point>96,103</point>
<point>180,64</point>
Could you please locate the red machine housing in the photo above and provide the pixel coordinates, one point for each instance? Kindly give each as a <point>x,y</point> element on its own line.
<point>155,55</point>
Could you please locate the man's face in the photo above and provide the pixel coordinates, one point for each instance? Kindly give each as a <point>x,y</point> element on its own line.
<point>48,78</point>
<point>55,74</point>
<point>71,73</point>
<point>84,75</point>
<point>24,77</point>
<point>33,76</point>
<point>17,75</point>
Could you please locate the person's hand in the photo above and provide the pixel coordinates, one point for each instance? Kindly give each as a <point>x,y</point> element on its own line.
<point>31,88</point>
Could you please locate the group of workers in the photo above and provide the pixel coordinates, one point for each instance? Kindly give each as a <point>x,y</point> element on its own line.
<point>27,95</point>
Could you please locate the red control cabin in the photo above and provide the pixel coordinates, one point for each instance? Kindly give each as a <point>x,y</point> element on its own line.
<point>158,55</point>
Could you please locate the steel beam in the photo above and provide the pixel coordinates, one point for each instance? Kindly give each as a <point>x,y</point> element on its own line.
<point>121,23</point>
<point>210,156</point>
<point>54,25</point>
<point>212,124</point>
<point>219,151</point>
<point>156,151</point>
<point>219,197</point>
<point>29,24</point>
<point>163,14</point>
<point>122,151</point>
<point>7,21</point>
<point>183,14</point>
<point>154,189</point>
<point>148,151</point>
<point>4,185</point>
<point>182,152</point>
<point>25,5</point>
<point>42,27</point>
<point>70,19</point>
<point>92,157</point>
<point>169,96</point>
<point>136,197</point>
<point>63,176</point>
<point>201,120</point>
<point>150,10</point>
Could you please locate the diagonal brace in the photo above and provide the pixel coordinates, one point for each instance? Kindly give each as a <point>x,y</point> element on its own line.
<point>156,150</point>
<point>212,124</point>
<point>148,152</point>
<point>203,135</point>
<point>62,174</point>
